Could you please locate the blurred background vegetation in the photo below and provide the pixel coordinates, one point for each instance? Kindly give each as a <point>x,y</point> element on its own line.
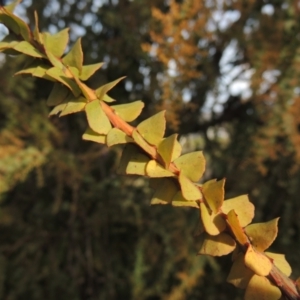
<point>227,72</point>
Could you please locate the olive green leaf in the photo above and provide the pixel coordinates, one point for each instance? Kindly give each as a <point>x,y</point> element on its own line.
<point>133,161</point>
<point>58,93</point>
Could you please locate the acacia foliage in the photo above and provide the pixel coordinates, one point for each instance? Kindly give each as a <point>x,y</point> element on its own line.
<point>225,225</point>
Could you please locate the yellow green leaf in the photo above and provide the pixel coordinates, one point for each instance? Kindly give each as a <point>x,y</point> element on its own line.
<point>242,207</point>
<point>88,70</point>
<point>192,165</point>
<point>262,235</point>
<point>189,190</point>
<point>108,99</point>
<point>179,200</point>
<point>36,32</point>
<point>59,75</point>
<point>28,49</point>
<point>165,189</point>
<point>133,161</point>
<point>40,72</point>
<point>235,226</point>
<point>93,136</point>
<point>97,119</point>
<point>239,274</point>
<point>37,69</point>
<point>14,23</point>
<point>185,203</point>
<point>58,94</point>
<point>169,149</point>
<point>280,262</point>
<point>213,224</point>
<point>153,128</point>
<point>58,108</point>
<point>74,58</point>
<point>56,43</point>
<point>218,245</point>
<point>130,111</point>
<point>102,90</point>
<point>140,141</point>
<point>257,262</point>
<point>8,43</point>
<point>154,169</point>
<point>74,105</point>
<point>116,136</point>
<point>213,192</point>
<point>260,288</point>
<point>11,6</point>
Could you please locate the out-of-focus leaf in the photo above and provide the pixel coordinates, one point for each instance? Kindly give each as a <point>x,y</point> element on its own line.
<point>165,189</point>
<point>11,6</point>
<point>93,136</point>
<point>36,32</point>
<point>239,274</point>
<point>14,23</point>
<point>58,93</point>
<point>133,161</point>
<point>58,108</point>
